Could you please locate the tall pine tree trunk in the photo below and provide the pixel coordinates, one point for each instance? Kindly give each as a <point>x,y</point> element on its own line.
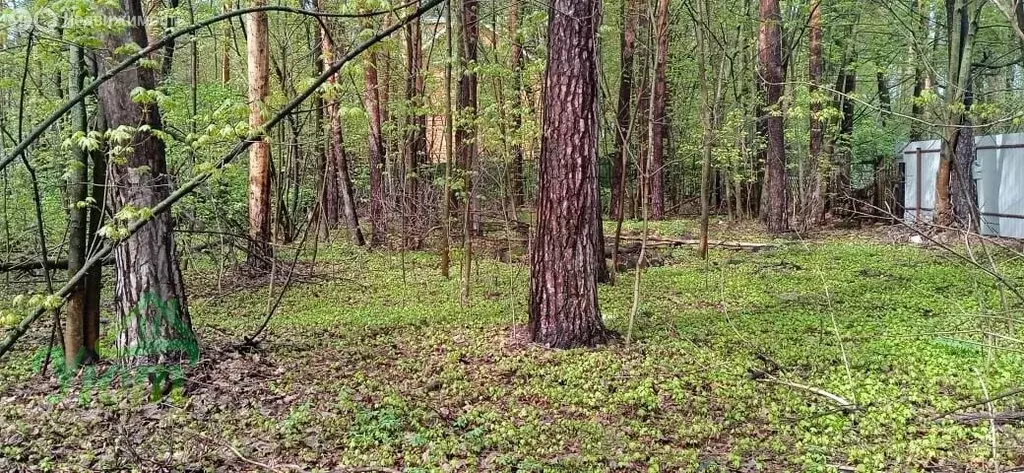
<point>563,286</point>
<point>770,61</point>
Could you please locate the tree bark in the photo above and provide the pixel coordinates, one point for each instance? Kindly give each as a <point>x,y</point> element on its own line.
<point>74,326</point>
<point>515,179</point>
<point>620,166</point>
<point>167,65</point>
<point>465,132</point>
<point>371,100</point>
<point>816,200</point>
<point>337,154</point>
<point>770,61</point>
<point>225,52</point>
<point>260,252</point>
<point>152,311</point>
<point>416,145</point>
<point>919,60</point>
<point>563,286</point>
<point>656,177</point>
<point>961,29</point>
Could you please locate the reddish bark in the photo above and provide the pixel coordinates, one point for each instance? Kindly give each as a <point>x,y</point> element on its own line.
<point>563,286</point>
<point>623,116</point>
<point>656,177</point>
<point>466,103</point>
<point>371,99</point>
<point>771,71</point>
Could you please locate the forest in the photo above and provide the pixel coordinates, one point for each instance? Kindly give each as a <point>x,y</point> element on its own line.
<point>510,235</point>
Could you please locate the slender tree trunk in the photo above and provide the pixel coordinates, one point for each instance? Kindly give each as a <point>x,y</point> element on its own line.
<point>225,52</point>
<point>371,99</point>
<point>620,166</point>
<point>338,156</point>
<point>816,201</point>
<point>563,286</point>
<point>415,146</point>
<point>656,175</point>
<point>919,60</point>
<point>94,278</point>
<point>74,328</point>
<point>770,56</point>
<point>843,146</point>
<point>167,66</point>
<point>258,56</point>
<point>465,132</point>
<point>961,29</point>
<point>152,313</point>
<point>883,191</point>
<point>515,178</point>
<point>449,149</point>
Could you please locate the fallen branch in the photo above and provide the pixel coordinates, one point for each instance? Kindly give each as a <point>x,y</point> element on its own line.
<point>843,403</point>
<point>37,264</point>
<point>997,417</point>
<point>728,245</point>
<point>1002,395</point>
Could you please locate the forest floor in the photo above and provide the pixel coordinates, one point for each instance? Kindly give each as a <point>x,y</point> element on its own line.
<point>372,364</point>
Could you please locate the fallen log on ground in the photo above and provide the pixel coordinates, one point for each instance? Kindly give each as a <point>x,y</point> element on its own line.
<point>728,245</point>
<point>37,265</point>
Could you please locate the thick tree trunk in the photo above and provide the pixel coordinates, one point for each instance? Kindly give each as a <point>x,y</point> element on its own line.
<point>563,286</point>
<point>260,252</point>
<point>770,59</point>
<point>152,313</point>
<point>620,166</point>
<point>816,200</point>
<point>656,176</point>
<point>371,99</point>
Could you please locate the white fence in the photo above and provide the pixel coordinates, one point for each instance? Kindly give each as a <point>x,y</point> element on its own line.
<point>998,171</point>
